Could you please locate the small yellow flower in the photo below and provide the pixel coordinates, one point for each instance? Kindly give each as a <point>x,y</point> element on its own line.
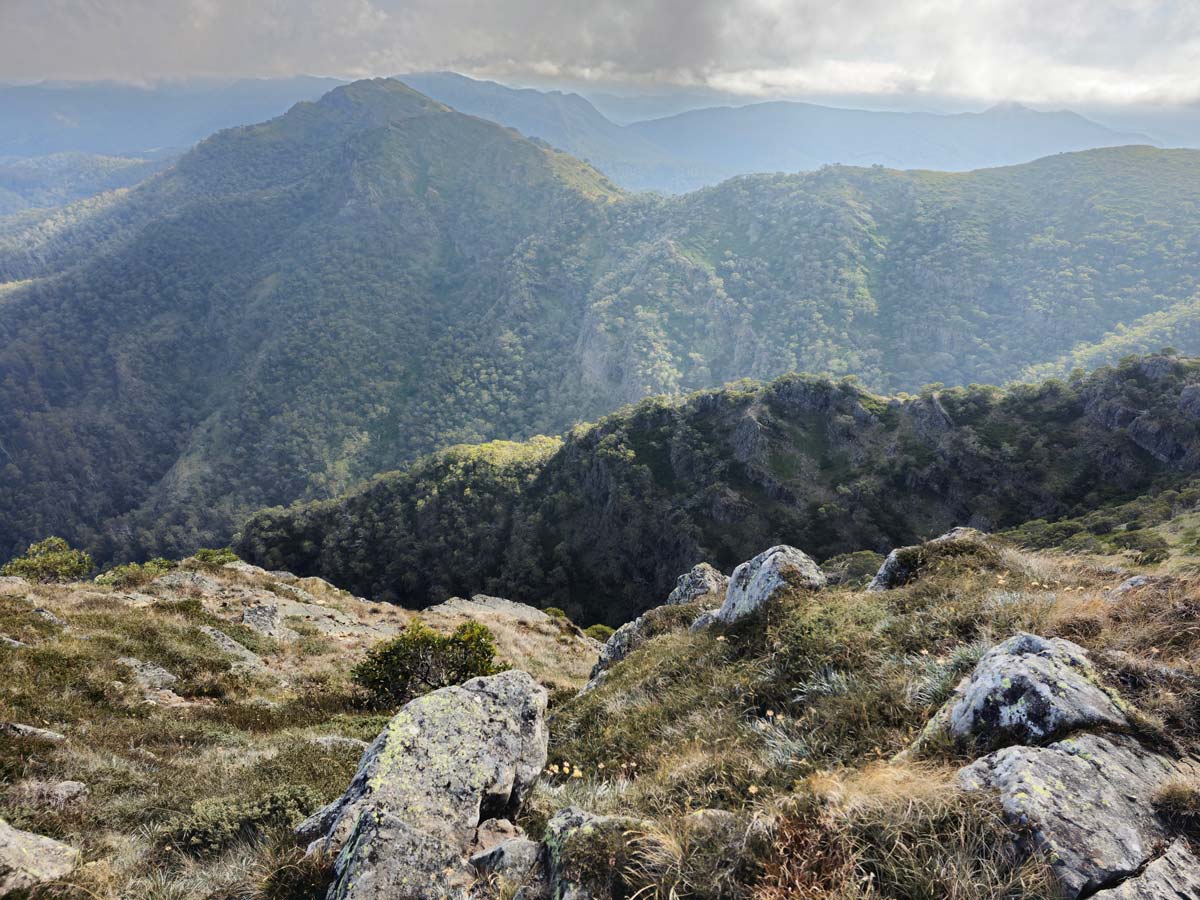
<point>770,713</point>
<point>600,766</point>
<point>753,789</point>
<point>721,637</point>
<point>577,773</point>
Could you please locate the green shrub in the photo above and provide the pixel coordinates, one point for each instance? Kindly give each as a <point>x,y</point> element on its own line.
<point>554,612</point>
<point>135,574</point>
<point>50,560</point>
<point>599,632</point>
<point>216,823</point>
<point>209,557</point>
<point>420,660</point>
<point>1148,546</point>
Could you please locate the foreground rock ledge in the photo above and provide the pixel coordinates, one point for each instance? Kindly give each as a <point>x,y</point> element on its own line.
<point>29,860</point>
<point>444,764</point>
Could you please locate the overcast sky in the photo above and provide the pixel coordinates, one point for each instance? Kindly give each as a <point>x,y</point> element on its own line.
<point>1038,51</point>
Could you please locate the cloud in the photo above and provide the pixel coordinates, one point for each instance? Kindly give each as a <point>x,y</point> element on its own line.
<point>1032,50</point>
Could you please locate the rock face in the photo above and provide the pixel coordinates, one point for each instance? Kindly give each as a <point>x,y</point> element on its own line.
<point>619,645</point>
<point>903,563</point>
<point>1173,876</point>
<point>28,860</point>
<point>758,581</point>
<point>446,762</point>
<point>1086,803</point>
<point>1026,690</point>
<point>700,583</point>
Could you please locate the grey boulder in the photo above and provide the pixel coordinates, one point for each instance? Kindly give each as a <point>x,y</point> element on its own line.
<point>445,763</point>
<point>760,580</point>
<point>1085,801</point>
<point>700,583</point>
<point>1026,690</point>
<point>903,563</point>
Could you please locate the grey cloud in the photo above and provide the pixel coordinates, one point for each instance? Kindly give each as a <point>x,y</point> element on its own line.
<point>1036,50</point>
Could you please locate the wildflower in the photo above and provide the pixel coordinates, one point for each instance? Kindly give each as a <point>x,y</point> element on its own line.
<point>577,773</point>
<point>753,789</point>
<point>770,713</point>
<point>721,637</point>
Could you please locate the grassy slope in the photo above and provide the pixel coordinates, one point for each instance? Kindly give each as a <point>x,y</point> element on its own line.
<point>226,739</point>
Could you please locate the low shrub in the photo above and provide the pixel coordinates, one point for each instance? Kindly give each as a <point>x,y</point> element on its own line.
<point>135,574</point>
<point>420,660</point>
<point>599,632</point>
<point>218,557</point>
<point>216,823</point>
<point>50,560</point>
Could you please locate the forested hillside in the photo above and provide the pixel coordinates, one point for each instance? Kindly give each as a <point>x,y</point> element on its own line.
<point>601,523</point>
<point>298,305</point>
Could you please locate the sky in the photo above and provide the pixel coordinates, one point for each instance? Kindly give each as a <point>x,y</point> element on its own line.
<point>1035,51</point>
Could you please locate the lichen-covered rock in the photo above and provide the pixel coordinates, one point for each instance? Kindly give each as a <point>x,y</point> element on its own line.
<point>1085,801</point>
<point>903,563</point>
<point>445,762</point>
<point>704,620</point>
<point>584,853</point>
<point>29,860</point>
<point>699,584</point>
<point>149,676</point>
<point>517,861</point>
<point>1025,690</point>
<point>1173,876</point>
<point>619,645</point>
<point>386,858</point>
<point>760,580</point>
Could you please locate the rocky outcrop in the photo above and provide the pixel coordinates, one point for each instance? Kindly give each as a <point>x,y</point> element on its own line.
<point>446,762</point>
<point>904,563</point>
<point>244,657</point>
<point>1173,876</point>
<point>583,853</point>
<point>1068,773</point>
<point>29,860</point>
<point>701,584</point>
<point>1026,690</point>
<point>1085,802</point>
<point>760,580</point>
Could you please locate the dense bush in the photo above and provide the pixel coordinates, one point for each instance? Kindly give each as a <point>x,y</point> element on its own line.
<point>215,557</point>
<point>50,560</point>
<point>420,660</point>
<point>599,632</point>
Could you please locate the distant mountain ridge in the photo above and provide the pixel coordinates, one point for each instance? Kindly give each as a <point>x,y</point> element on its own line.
<point>299,304</point>
<point>705,146</point>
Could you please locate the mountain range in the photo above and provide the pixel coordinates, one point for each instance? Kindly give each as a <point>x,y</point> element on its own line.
<point>703,147</point>
<point>297,305</point>
<point>673,154</point>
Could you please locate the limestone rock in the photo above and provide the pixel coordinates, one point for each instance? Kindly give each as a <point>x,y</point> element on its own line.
<point>758,581</point>
<point>482,603</point>
<point>1086,803</point>
<point>1026,690</point>
<point>149,676</point>
<point>903,563</point>
<point>42,613</point>
<point>28,860</point>
<point>702,582</point>
<point>446,762</point>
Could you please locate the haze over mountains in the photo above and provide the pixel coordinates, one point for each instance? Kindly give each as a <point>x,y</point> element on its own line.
<point>303,303</point>
<point>677,153</point>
